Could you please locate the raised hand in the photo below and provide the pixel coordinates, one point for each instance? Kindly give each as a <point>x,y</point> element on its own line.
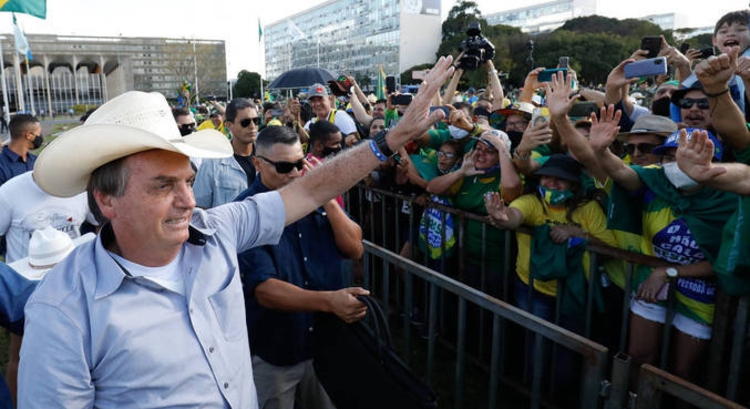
<point>495,206</point>
<point>604,129</point>
<point>694,157</point>
<point>715,71</point>
<point>558,94</point>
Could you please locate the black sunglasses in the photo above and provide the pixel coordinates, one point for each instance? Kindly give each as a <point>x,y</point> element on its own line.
<point>246,122</point>
<point>285,167</point>
<point>187,126</point>
<point>687,103</point>
<point>642,147</point>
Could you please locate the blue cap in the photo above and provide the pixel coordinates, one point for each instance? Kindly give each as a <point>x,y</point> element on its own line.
<point>673,141</point>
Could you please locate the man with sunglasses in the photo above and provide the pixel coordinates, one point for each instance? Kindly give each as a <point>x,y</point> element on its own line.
<point>285,283</point>
<point>648,132</point>
<point>219,181</point>
<point>693,107</point>
<point>186,124</point>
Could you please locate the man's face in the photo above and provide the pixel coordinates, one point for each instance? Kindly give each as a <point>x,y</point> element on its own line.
<point>186,124</point>
<point>152,217</point>
<point>516,123</point>
<point>734,34</point>
<point>333,143</point>
<point>694,116</point>
<point>32,132</point>
<point>321,106</point>
<point>280,152</point>
<point>379,109</point>
<point>244,134</point>
<point>665,91</point>
<point>217,119</point>
<point>639,147</point>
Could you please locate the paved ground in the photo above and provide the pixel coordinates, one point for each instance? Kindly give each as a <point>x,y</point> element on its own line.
<point>49,127</point>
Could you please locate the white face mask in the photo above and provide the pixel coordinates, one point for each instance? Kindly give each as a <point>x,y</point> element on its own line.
<point>457,133</point>
<point>677,177</point>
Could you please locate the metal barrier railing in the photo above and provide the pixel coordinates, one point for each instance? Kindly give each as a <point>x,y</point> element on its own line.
<point>654,382</point>
<point>594,356</point>
<point>727,346</point>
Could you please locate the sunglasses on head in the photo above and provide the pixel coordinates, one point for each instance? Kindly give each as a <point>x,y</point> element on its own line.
<point>246,122</point>
<point>642,147</point>
<point>285,167</point>
<point>687,103</point>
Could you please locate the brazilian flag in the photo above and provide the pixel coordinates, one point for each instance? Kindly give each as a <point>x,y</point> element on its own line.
<point>37,8</point>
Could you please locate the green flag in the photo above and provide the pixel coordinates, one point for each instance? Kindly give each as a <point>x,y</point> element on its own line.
<point>380,90</point>
<point>36,8</point>
<point>260,31</point>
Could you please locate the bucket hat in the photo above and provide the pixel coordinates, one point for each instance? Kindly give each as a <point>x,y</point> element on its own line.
<point>651,124</point>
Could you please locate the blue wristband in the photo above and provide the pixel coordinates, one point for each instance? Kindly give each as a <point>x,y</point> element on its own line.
<point>376,151</point>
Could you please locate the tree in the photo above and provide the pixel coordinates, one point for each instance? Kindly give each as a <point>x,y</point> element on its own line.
<point>247,85</point>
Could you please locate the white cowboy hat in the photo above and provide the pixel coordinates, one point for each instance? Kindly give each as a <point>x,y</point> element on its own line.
<point>130,123</point>
<point>47,247</point>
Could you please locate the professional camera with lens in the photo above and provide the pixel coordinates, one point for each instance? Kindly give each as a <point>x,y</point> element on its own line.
<point>477,49</point>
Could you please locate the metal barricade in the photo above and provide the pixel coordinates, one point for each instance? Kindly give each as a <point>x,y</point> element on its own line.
<point>727,368</point>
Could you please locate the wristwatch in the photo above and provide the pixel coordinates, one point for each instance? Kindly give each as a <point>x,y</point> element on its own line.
<point>671,272</point>
<point>382,145</point>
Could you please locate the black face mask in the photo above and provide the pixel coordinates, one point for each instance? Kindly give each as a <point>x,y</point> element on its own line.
<point>38,141</point>
<point>330,151</point>
<point>660,107</point>
<point>515,139</point>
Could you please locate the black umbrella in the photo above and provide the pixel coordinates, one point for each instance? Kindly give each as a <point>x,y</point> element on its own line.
<point>302,78</point>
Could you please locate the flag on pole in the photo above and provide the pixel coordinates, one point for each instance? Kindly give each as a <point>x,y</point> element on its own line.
<point>293,31</point>
<point>380,91</point>
<point>260,31</point>
<point>22,45</point>
<point>37,8</point>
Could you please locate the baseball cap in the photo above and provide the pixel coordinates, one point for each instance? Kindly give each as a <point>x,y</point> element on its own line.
<point>317,90</point>
<point>673,141</point>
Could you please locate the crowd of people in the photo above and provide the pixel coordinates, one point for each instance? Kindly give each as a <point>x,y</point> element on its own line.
<point>217,240</point>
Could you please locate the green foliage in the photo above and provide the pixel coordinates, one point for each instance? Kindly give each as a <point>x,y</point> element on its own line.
<point>247,85</point>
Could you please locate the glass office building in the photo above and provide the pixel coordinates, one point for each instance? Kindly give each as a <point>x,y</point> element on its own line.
<point>355,37</point>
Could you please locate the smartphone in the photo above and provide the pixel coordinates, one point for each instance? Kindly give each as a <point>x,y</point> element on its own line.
<point>563,62</point>
<point>584,108</point>
<point>402,99</point>
<point>645,68</point>
<point>390,84</point>
<point>684,47</point>
<point>707,52</point>
<point>652,44</point>
<point>546,75</point>
<point>443,108</point>
<point>540,115</point>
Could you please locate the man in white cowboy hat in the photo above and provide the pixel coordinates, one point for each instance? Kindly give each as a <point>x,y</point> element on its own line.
<point>47,247</point>
<point>151,313</point>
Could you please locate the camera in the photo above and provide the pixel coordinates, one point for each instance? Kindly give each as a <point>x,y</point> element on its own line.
<point>476,48</point>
